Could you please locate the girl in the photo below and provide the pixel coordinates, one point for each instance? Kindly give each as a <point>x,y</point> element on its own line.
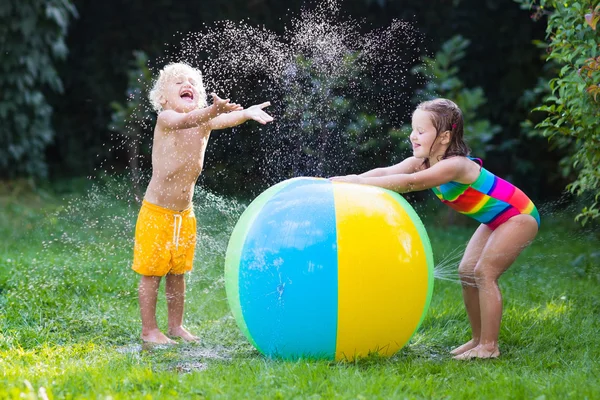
<point>509,220</point>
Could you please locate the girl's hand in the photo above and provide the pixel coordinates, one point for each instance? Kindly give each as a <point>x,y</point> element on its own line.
<point>256,113</point>
<point>348,179</point>
<point>223,106</point>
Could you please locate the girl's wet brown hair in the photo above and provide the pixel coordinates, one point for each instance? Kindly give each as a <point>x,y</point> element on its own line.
<point>447,116</point>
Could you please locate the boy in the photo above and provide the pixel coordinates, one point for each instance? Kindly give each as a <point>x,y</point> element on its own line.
<point>165,234</point>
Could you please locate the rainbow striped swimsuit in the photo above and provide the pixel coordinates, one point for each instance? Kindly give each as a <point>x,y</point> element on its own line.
<point>489,200</point>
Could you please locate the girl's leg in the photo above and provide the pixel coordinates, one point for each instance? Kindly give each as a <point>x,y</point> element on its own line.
<point>175,291</point>
<point>147,293</point>
<point>467,279</point>
<point>501,250</point>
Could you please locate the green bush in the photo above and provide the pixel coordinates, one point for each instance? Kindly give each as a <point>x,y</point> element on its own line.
<point>444,82</point>
<point>32,34</point>
<point>571,106</point>
<point>133,118</point>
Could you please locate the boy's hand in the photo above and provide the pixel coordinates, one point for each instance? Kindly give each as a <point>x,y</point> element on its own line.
<point>222,106</point>
<point>256,113</point>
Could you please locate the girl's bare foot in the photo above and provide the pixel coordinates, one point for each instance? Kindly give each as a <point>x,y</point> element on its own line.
<point>181,332</point>
<point>479,351</point>
<point>156,336</point>
<point>465,347</point>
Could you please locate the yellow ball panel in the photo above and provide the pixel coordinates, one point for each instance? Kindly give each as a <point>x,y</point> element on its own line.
<point>382,272</point>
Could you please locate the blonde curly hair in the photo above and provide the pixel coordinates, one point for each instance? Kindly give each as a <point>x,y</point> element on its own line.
<point>175,70</point>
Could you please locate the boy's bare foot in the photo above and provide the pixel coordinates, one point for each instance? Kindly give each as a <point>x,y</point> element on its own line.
<point>156,336</point>
<point>465,347</point>
<point>181,332</point>
<point>479,351</point>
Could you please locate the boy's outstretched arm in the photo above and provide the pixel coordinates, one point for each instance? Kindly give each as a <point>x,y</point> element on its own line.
<point>173,120</point>
<point>235,118</point>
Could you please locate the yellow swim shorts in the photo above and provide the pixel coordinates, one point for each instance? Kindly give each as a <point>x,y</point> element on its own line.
<point>165,240</point>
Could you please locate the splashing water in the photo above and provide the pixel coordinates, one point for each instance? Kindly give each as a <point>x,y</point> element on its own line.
<point>93,251</point>
<point>447,268</point>
<point>330,85</point>
<point>231,53</point>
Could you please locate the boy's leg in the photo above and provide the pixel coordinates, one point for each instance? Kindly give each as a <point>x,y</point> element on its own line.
<point>501,250</point>
<point>148,292</point>
<point>175,291</point>
<point>469,288</point>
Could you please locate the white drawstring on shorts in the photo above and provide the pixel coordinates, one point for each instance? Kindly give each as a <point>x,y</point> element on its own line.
<point>176,229</point>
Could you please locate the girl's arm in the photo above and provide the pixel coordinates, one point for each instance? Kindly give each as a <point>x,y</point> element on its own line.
<point>407,166</point>
<point>235,118</point>
<point>442,172</point>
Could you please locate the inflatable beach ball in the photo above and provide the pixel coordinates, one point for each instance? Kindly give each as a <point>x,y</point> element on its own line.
<point>328,270</point>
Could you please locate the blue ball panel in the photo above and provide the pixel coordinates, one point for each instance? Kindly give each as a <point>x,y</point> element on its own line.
<point>288,273</point>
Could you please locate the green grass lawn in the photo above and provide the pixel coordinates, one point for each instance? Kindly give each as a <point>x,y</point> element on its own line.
<point>69,323</point>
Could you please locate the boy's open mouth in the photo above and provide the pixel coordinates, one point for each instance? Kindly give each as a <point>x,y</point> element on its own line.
<point>187,94</point>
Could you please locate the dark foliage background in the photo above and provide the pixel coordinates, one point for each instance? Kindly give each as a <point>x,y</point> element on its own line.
<point>102,37</point>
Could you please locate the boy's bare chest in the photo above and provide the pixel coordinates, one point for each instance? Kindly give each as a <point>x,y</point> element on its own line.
<point>184,144</point>
<point>181,152</point>
<point>184,147</point>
